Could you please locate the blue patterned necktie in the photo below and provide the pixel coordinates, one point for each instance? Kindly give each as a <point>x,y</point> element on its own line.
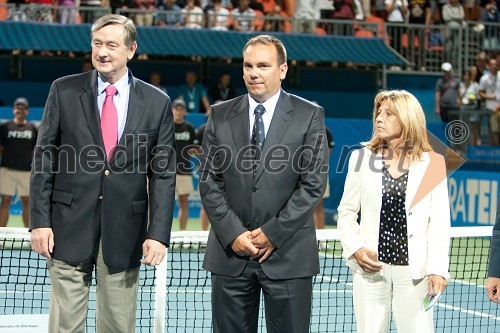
<point>258,135</point>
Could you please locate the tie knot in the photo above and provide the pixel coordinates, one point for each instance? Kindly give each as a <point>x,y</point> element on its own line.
<point>259,110</point>
<point>110,90</point>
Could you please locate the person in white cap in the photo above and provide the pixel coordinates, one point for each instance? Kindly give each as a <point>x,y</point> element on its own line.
<point>447,93</point>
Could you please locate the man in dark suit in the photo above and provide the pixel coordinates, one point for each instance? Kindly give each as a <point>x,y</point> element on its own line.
<point>493,282</point>
<point>264,171</point>
<point>102,184</point>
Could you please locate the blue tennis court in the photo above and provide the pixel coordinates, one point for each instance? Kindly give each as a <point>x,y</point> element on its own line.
<point>181,303</point>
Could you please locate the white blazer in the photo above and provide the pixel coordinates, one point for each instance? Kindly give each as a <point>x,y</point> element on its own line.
<point>428,218</point>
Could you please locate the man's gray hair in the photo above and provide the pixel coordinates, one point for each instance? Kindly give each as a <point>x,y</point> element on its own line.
<point>128,24</point>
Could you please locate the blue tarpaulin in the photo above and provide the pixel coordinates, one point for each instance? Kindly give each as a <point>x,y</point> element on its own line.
<point>201,42</point>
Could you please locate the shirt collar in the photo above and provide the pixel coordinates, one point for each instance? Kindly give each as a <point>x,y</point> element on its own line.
<point>120,85</point>
<point>269,105</point>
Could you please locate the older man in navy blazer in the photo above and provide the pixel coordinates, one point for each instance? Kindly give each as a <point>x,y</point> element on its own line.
<point>493,282</point>
<point>102,184</point>
<point>264,172</point>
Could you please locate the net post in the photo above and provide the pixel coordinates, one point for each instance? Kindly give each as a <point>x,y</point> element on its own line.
<point>160,295</point>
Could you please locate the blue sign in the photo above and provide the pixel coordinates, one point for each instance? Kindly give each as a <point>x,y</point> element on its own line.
<point>473,198</point>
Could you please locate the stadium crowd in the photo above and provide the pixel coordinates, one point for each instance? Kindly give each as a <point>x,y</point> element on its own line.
<point>258,15</point>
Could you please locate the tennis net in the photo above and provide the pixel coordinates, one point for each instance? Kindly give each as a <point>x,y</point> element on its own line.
<point>176,296</point>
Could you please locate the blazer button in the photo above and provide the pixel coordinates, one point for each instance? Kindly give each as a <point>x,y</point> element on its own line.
<point>409,213</point>
<point>411,235</point>
<point>106,173</point>
<point>247,223</point>
<point>100,197</point>
<point>254,189</point>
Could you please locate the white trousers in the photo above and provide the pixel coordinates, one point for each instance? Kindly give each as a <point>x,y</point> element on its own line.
<point>374,293</point>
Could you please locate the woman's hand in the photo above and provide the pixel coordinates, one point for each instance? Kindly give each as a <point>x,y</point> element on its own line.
<point>436,284</point>
<point>367,260</point>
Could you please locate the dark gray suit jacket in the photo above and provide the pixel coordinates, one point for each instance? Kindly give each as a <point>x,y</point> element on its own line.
<point>81,196</point>
<point>494,265</point>
<point>281,198</point>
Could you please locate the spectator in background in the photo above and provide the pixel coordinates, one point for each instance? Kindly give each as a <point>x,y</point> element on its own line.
<point>454,18</point>
<point>480,67</point>
<point>169,14</point>
<point>256,5</point>
<point>243,17</point>
<point>194,93</point>
<point>146,18</point>
<point>446,93</point>
<point>489,90</point>
<point>17,142</point>
<point>344,10</point>
<point>222,91</point>
<point>419,13</point>
<point>469,95</point>
<point>121,4</point>
<point>193,15</point>
<point>396,13</point>
<point>40,11</point>
<point>218,17</point>
<point>184,147</point>
<point>67,11</point>
<point>155,80</point>
<point>274,20</point>
<point>16,13</point>
<point>491,35</point>
<point>91,14</point>
<point>437,10</point>
<point>305,16</point>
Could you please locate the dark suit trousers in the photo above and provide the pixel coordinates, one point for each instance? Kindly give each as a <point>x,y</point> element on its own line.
<point>235,302</point>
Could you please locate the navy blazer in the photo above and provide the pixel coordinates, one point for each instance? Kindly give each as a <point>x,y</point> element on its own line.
<point>86,199</point>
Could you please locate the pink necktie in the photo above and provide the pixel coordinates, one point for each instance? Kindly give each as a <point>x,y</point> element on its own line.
<point>109,122</point>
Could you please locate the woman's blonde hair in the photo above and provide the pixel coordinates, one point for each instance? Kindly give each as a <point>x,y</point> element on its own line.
<point>411,117</point>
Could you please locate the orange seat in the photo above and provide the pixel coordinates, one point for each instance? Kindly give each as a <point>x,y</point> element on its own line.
<point>380,23</point>
<point>404,41</point>
<point>362,32</point>
<point>3,10</point>
<point>320,31</point>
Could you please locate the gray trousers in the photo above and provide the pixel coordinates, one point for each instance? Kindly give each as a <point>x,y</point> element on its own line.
<point>116,296</point>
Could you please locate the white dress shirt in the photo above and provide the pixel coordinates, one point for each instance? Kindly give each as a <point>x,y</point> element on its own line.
<point>269,105</point>
<point>120,99</point>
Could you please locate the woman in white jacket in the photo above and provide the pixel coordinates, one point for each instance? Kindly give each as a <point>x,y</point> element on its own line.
<point>398,252</point>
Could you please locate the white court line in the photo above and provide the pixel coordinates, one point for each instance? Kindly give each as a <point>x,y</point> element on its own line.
<point>467,283</point>
<point>472,312</point>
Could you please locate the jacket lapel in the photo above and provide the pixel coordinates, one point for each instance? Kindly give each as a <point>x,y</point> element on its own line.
<point>136,106</point>
<point>240,124</point>
<point>88,101</point>
<point>415,177</point>
<point>279,124</point>
<point>375,175</point>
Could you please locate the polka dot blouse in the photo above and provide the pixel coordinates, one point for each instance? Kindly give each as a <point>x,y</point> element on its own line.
<point>393,239</point>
